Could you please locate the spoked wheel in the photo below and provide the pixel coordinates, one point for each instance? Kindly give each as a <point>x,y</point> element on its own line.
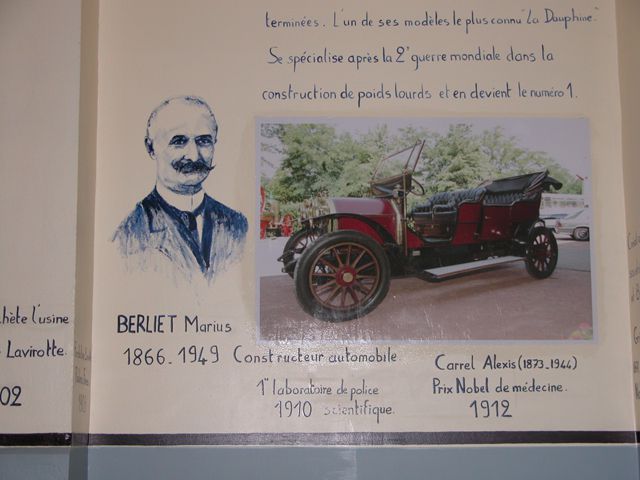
<point>296,244</point>
<point>541,253</point>
<point>342,276</point>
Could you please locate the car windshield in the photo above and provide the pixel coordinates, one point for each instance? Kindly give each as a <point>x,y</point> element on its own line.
<point>399,162</point>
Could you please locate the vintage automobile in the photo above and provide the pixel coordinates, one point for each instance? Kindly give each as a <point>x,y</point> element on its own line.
<point>342,258</point>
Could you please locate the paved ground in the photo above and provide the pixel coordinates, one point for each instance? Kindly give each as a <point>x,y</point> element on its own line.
<point>501,304</point>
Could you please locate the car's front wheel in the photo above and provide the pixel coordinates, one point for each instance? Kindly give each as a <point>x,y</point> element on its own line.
<point>341,276</point>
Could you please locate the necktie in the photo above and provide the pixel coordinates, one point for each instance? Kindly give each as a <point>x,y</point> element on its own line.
<point>189,220</point>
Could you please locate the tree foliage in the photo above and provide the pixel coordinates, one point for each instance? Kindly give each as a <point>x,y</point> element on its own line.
<point>455,161</point>
<point>310,162</point>
<point>315,159</point>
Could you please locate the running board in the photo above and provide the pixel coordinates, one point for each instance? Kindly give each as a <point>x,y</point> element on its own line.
<point>441,273</point>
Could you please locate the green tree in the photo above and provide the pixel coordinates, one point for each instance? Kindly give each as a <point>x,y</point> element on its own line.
<point>308,166</point>
<point>357,167</point>
<point>506,158</point>
<point>316,160</point>
<point>455,161</point>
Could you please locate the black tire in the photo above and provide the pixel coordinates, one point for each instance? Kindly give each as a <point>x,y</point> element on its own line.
<point>294,247</point>
<point>342,276</point>
<point>581,234</point>
<point>541,253</point>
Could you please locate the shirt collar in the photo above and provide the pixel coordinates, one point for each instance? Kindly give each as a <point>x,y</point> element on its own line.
<point>186,203</point>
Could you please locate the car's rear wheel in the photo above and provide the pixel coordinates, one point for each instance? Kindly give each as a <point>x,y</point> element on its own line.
<point>296,244</point>
<point>541,255</point>
<point>581,233</point>
<point>342,276</point>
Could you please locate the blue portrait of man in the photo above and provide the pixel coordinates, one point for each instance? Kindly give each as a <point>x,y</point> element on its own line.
<point>178,222</point>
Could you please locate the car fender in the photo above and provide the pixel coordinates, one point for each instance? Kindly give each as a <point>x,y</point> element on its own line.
<point>353,221</point>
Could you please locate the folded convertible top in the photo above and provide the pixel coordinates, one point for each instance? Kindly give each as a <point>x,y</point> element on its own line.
<point>523,183</point>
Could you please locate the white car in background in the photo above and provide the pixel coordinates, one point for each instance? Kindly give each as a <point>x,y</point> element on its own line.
<point>577,225</point>
<point>550,219</point>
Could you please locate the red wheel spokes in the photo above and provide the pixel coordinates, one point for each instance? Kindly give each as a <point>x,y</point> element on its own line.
<point>327,287</point>
<point>343,297</point>
<point>336,279</point>
<point>337,257</point>
<point>354,297</point>
<point>359,269</point>
<point>330,265</point>
<point>335,293</point>
<point>358,258</point>
<point>542,252</point>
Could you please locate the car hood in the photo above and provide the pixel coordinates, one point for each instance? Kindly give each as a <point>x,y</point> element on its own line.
<point>361,206</point>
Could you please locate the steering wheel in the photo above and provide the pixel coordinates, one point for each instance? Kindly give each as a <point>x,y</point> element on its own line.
<point>415,185</point>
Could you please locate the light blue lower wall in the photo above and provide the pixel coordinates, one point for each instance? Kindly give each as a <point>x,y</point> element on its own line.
<point>34,463</point>
<point>618,462</point>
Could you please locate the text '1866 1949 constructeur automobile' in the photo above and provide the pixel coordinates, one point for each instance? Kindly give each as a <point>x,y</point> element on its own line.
<point>343,257</point>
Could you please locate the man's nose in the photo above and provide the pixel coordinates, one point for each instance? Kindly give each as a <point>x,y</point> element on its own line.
<point>192,152</point>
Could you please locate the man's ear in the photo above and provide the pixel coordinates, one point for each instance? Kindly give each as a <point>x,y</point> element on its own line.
<point>149,146</point>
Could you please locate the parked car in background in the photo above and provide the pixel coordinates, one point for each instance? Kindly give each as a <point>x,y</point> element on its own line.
<point>550,220</point>
<point>577,225</point>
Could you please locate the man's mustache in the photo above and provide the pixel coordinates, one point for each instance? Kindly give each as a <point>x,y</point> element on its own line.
<point>188,166</point>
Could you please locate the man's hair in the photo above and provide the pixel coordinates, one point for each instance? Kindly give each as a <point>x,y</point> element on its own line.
<point>190,99</point>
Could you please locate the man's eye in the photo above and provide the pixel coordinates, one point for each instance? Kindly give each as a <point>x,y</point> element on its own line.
<point>179,140</point>
<point>204,141</point>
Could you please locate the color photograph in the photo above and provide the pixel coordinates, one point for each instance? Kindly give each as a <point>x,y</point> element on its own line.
<point>419,230</point>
